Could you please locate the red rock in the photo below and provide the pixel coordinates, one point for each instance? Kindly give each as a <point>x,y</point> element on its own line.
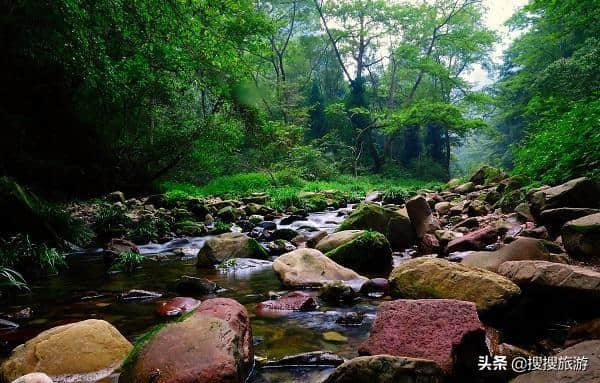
<point>177,306</point>
<point>443,330</point>
<point>476,240</point>
<point>214,345</point>
<point>429,244</point>
<point>294,301</point>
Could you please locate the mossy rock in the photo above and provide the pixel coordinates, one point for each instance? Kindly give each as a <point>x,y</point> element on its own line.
<point>370,251</point>
<point>190,229</point>
<point>227,246</point>
<point>486,175</point>
<point>394,224</point>
<point>510,200</point>
<point>285,234</point>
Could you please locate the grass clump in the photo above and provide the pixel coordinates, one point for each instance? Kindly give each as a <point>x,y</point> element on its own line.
<point>128,261</point>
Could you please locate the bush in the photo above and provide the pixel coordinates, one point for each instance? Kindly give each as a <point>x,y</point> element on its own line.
<point>563,148</point>
<point>21,253</point>
<point>128,261</point>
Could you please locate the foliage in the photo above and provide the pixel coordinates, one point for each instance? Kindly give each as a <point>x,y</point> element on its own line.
<point>563,148</point>
<point>128,261</point>
<point>23,254</point>
<point>10,280</point>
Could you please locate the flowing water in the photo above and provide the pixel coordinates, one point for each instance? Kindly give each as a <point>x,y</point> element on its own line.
<point>87,291</point>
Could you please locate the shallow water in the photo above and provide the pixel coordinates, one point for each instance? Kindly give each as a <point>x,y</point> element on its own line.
<point>87,291</point>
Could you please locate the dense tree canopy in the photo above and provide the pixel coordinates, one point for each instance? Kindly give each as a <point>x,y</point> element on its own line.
<point>109,94</point>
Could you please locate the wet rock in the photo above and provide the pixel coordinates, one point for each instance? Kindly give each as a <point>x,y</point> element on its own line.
<point>294,301</point>
<point>370,251</point>
<point>267,225</point>
<point>138,295</point>
<point>477,209</point>
<point>177,306</point>
<point>393,223</point>
<point>350,319</point>
<point>117,246</point>
<point>438,278</point>
<point>252,208</point>
<point>446,236</point>
<point>34,377</point>
<point>86,351</point>
<point>446,331</point>
<point>7,325</point>
<point>375,286</point>
<point>279,247</point>
<point>194,286</point>
<point>581,237</point>
<point>214,344</point>
<point>291,219</point>
<point>337,292</point>
<point>386,369</point>
<point>522,249</point>
<point>337,239</point>
<point>310,268</point>
<point>556,276</point>
<point>476,240</point>
<point>314,358</point>
<point>421,217</point>
<point>285,234</point>
<point>227,246</point>
<point>591,374</point>
<point>539,232</point>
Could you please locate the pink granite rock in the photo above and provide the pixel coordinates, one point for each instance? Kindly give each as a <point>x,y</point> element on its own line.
<point>443,330</point>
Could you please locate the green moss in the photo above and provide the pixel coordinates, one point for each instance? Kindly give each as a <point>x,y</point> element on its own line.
<point>255,250</point>
<point>370,251</point>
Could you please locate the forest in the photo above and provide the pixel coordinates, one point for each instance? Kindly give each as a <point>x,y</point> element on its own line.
<point>316,169</point>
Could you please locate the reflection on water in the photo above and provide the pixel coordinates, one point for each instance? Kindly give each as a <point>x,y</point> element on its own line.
<point>87,291</point>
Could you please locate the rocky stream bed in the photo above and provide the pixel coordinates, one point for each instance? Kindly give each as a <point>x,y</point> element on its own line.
<point>409,291</point>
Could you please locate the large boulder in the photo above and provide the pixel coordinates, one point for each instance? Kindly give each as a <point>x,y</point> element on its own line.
<point>227,246</point>
<point>446,331</point>
<point>522,249</point>
<point>386,369</point>
<point>337,239</point>
<point>438,278</point>
<point>555,276</point>
<point>554,219</point>
<point>421,216</point>
<point>84,351</point>
<point>487,174</point>
<point>585,352</point>
<point>581,236</point>
<point>310,268</point>
<point>214,344</point>
<point>370,251</point>
<point>393,223</point>
<point>580,192</point>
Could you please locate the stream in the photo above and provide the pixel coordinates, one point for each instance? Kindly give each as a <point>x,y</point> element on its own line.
<point>87,291</point>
